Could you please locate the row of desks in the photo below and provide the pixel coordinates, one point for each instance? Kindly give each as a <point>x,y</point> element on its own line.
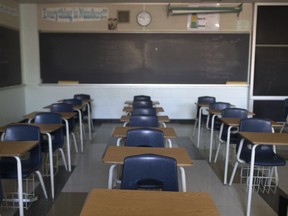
<point>131,202</point>
<point>254,138</point>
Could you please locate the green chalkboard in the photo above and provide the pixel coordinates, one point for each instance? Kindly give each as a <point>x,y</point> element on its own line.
<point>10,64</point>
<point>144,58</point>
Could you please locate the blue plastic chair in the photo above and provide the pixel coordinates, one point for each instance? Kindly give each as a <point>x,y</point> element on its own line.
<point>143,121</point>
<point>84,97</point>
<point>145,137</point>
<point>31,164</point>
<point>202,100</point>
<point>234,136</point>
<point>57,136</point>
<point>65,107</point>
<point>265,155</point>
<point>216,106</point>
<point>150,172</point>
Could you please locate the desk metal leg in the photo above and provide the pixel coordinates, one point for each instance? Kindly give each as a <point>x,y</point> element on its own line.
<point>227,154</point>
<point>81,129</point>
<point>211,137</point>
<point>68,144</point>
<point>199,127</point>
<point>169,143</point>
<point>249,202</point>
<point>183,178</point>
<point>20,187</point>
<point>89,120</point>
<point>51,164</point>
<point>110,177</point>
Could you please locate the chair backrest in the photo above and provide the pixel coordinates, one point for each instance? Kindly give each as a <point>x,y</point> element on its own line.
<point>64,107</point>
<point>73,101</point>
<point>150,171</point>
<point>255,125</point>
<point>61,107</point>
<point>204,100</point>
<point>145,137</point>
<point>217,106</point>
<point>25,132</point>
<point>143,121</point>
<point>57,136</point>
<point>232,113</point>
<point>144,111</point>
<point>142,97</point>
<point>82,96</point>
<point>141,103</point>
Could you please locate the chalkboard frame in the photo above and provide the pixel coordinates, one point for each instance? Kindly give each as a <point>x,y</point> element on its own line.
<point>54,46</point>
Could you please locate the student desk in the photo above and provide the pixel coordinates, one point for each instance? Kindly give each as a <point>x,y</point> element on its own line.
<point>234,123</point>
<point>260,139</point>
<point>121,132</point>
<point>103,202</point>
<point>17,149</point>
<point>162,119</point>
<point>129,109</point>
<point>201,106</point>
<point>46,129</point>
<point>77,108</point>
<point>65,116</point>
<point>131,103</point>
<point>115,155</point>
<point>87,103</point>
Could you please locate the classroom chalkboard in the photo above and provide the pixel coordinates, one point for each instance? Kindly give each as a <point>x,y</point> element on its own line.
<point>271,51</point>
<point>144,58</point>
<point>10,63</point>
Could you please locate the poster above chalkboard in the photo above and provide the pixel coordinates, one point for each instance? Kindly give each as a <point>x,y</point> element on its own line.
<point>147,58</point>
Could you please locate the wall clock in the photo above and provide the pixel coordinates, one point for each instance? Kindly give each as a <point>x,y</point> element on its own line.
<point>144,18</point>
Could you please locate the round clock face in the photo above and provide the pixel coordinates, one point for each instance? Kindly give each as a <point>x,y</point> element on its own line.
<point>144,18</point>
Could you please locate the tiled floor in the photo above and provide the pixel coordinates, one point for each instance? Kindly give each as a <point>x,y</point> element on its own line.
<point>89,172</point>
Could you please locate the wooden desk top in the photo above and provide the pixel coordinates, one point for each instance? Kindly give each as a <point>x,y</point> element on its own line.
<point>16,148</point>
<point>105,202</point>
<point>64,115</point>
<point>125,118</point>
<point>130,109</point>
<point>236,121</point>
<point>266,138</point>
<point>117,154</point>
<point>122,131</point>
<point>130,102</point>
<point>202,104</point>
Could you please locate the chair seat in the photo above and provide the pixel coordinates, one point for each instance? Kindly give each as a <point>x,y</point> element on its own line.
<point>266,160</point>
<point>8,168</point>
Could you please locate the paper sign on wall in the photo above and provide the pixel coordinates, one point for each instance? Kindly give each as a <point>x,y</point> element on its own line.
<point>79,14</point>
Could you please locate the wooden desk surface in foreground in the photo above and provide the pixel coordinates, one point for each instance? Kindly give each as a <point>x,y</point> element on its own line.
<point>16,148</point>
<point>117,154</point>
<point>105,202</point>
<point>122,131</point>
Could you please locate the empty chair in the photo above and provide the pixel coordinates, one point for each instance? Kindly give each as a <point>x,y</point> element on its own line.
<point>32,162</point>
<point>150,111</point>
<point>142,97</point>
<point>234,137</point>
<point>265,155</point>
<point>85,97</point>
<point>143,121</point>
<point>57,136</point>
<point>140,103</point>
<point>65,107</point>
<point>216,106</point>
<point>145,137</point>
<point>150,172</point>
